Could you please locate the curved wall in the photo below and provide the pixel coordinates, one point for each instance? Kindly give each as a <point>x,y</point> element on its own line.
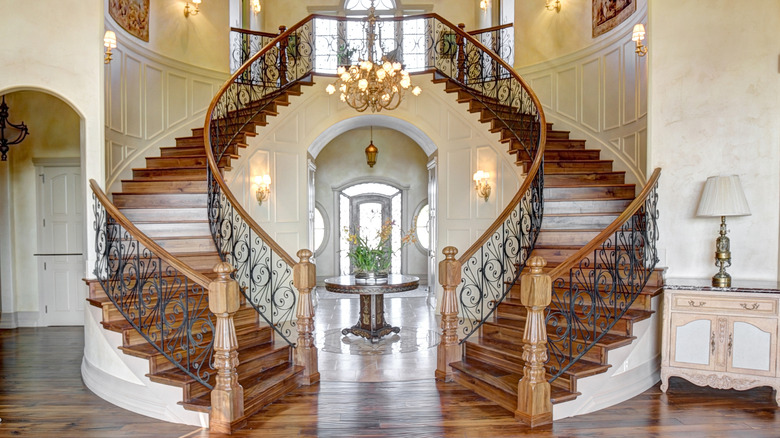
<point>599,93</point>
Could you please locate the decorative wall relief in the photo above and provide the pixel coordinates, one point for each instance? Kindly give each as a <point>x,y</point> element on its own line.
<point>609,13</point>
<point>132,15</point>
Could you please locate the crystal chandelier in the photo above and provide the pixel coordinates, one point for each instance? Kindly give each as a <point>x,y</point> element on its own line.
<point>369,84</point>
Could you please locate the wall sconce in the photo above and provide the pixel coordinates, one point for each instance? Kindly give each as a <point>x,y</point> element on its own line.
<point>553,5</point>
<point>263,188</point>
<point>484,4</point>
<point>371,151</point>
<point>191,10</point>
<point>722,196</point>
<point>638,36</point>
<point>256,6</point>
<point>109,40</point>
<point>481,184</point>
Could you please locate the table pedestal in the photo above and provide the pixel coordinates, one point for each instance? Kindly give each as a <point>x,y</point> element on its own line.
<point>371,323</point>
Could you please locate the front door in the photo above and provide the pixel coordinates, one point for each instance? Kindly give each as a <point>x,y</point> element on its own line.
<point>60,240</point>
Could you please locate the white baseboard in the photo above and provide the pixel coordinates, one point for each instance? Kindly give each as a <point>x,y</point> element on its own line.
<point>19,319</point>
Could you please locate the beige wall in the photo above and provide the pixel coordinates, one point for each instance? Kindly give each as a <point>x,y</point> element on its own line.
<point>343,160</point>
<point>60,52</point>
<point>715,110</point>
<point>542,35</point>
<point>200,40</point>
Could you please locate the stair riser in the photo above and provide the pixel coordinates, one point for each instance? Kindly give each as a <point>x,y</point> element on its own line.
<point>165,214</point>
<point>157,162</point>
<point>177,173</point>
<point>587,178</point>
<point>577,166</point>
<point>614,206</point>
<point>164,186</point>
<point>175,246</point>
<point>173,229</point>
<point>577,222</point>
<point>590,192</point>
<point>172,200</point>
<point>566,237</point>
<point>564,143</point>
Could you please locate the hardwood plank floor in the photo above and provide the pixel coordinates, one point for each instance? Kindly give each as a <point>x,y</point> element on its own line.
<point>41,395</point>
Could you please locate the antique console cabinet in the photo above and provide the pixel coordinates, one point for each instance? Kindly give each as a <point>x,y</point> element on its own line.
<point>721,337</point>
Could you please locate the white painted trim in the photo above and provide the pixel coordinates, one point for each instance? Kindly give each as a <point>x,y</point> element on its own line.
<point>361,120</point>
<point>12,320</point>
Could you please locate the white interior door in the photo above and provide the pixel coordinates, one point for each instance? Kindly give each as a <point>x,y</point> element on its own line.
<point>60,246</point>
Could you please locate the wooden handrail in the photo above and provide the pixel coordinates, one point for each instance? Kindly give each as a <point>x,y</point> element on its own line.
<point>254,32</point>
<point>490,29</point>
<point>535,166</point>
<point>150,244</point>
<point>635,205</point>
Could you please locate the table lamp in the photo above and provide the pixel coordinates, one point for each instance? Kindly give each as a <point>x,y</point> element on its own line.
<point>722,196</point>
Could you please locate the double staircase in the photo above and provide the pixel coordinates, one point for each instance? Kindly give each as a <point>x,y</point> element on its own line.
<point>185,222</point>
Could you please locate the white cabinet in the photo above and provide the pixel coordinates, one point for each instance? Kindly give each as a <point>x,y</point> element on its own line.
<point>721,339</point>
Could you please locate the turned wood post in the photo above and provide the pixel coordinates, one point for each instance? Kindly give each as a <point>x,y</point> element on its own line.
<point>449,349</point>
<point>534,406</point>
<point>282,57</point>
<point>305,279</point>
<point>227,397</point>
<point>461,63</point>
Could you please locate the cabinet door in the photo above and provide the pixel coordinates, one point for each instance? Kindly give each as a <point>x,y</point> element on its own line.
<point>752,346</point>
<point>692,341</point>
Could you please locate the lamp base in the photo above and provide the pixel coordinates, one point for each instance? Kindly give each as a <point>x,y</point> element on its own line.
<point>721,279</point>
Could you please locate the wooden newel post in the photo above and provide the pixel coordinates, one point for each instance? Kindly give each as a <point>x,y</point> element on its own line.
<point>305,279</point>
<point>449,350</point>
<point>227,397</point>
<point>534,406</point>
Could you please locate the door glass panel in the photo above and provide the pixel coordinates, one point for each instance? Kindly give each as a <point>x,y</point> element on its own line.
<point>693,342</point>
<point>370,222</point>
<point>750,347</point>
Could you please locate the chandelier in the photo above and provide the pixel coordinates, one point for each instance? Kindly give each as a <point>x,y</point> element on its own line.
<point>5,124</point>
<point>370,84</point>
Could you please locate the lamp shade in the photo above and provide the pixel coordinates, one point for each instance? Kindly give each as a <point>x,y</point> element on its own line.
<point>723,196</point>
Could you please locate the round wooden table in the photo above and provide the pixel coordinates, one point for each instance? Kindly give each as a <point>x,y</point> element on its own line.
<point>371,323</point>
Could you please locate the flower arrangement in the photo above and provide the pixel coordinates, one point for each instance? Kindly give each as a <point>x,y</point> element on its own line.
<point>373,254</point>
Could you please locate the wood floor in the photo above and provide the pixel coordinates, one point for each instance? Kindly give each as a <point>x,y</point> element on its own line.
<point>41,395</point>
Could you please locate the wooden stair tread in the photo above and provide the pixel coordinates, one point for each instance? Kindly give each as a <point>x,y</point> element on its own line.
<point>579,369</point>
<point>609,340</point>
<point>245,337</point>
<point>255,389</point>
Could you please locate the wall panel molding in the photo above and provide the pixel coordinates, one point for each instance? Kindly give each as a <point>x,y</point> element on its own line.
<point>150,100</point>
<point>600,95</point>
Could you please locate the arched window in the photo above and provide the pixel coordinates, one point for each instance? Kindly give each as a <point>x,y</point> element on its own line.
<point>361,6</point>
<point>421,224</point>
<point>320,229</point>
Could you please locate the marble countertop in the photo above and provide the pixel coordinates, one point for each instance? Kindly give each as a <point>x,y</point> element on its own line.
<point>702,284</point>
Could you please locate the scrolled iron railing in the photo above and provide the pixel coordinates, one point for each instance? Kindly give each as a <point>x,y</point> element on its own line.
<point>500,39</point>
<point>594,287</point>
<point>244,43</point>
<point>424,44</point>
<point>163,299</point>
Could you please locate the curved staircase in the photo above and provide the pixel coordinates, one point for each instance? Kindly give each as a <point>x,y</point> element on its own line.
<point>583,195</point>
<point>167,201</point>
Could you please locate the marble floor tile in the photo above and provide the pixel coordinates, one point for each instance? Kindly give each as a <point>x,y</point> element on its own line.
<point>408,355</point>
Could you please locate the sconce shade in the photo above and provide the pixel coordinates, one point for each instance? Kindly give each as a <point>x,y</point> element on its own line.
<point>109,39</point>
<point>723,196</point>
<point>197,2</point>
<point>639,32</point>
